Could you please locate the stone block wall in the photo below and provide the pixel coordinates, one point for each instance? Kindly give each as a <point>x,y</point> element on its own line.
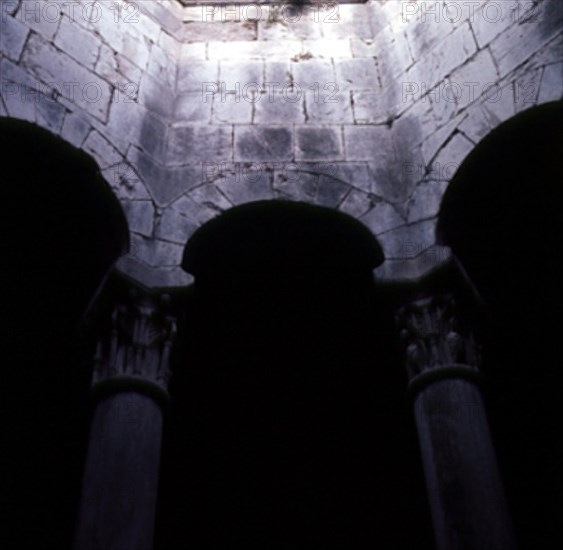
<point>369,108</point>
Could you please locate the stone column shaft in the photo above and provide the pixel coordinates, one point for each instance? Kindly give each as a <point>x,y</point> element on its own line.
<point>466,496</point>
<point>118,502</point>
<point>121,475</point>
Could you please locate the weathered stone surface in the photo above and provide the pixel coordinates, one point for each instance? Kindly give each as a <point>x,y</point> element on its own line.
<point>449,54</point>
<point>49,114</point>
<point>177,225</point>
<point>525,88</point>
<point>484,117</point>
<point>491,20</point>
<point>363,48</point>
<point>9,7</point>
<point>162,66</point>
<point>276,109</point>
<point>452,155</point>
<point>318,143</point>
<point>164,14</point>
<point>534,31</point>
<point>102,150</point>
<point>551,83</point>
<point>327,48</point>
<point>393,53</point>
<point>302,188</point>
<point>164,184</point>
<point>140,216</point>
<point>136,47</point>
<point>76,84</point>
<point>194,75</point>
<point>399,243</point>
<point>278,23</point>
<point>356,203</point>
<point>355,174</point>
<point>192,107</point>
<point>156,97</point>
<point>200,31</point>
<point>255,49</point>
<point>248,183</point>
<point>126,182</point>
<point>156,252</point>
<point>227,110</point>
<point>263,143</point>
<point>277,74</point>
<point>382,218</point>
<point>327,106</point>
<point>170,44</point>
<point>243,73</point>
<point>201,204</point>
<point>80,44</point>
<point>19,109</point>
<point>311,72</point>
<point>425,201</point>
<point>393,138</point>
<point>297,181</point>
<point>120,72</point>
<point>368,143</point>
<point>331,192</point>
<point>75,128</point>
<point>472,81</point>
<point>440,105</point>
<point>125,124</point>
<point>20,91</point>
<point>436,140</point>
<point>150,277</point>
<point>424,30</point>
<point>356,74</point>
<point>194,51</point>
<point>344,21</point>
<point>152,135</point>
<point>196,143</point>
<point>210,197</point>
<point>41,18</point>
<point>368,107</point>
<point>13,35</point>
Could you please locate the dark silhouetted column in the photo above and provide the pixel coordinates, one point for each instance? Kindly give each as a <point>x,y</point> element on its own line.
<point>465,492</point>
<point>119,492</point>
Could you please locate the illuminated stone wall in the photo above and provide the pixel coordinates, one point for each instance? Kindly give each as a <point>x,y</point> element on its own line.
<point>369,108</point>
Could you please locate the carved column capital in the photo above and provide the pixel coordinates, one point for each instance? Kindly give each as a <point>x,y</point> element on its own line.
<point>134,351</point>
<point>433,338</point>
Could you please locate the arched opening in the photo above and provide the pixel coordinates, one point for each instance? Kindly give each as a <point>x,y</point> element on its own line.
<point>290,428</point>
<point>62,230</point>
<point>502,217</point>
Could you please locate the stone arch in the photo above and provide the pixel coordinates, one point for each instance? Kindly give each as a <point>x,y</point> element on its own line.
<point>501,217</point>
<point>287,337</point>
<point>62,231</point>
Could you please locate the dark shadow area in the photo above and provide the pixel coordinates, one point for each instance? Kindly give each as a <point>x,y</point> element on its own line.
<point>289,425</point>
<point>502,217</point>
<point>61,230</point>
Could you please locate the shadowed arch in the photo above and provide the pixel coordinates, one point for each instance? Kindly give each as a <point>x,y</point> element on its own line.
<point>288,402</point>
<point>62,229</point>
<point>502,217</point>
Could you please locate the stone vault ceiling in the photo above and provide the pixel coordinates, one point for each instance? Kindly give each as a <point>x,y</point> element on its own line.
<point>384,151</point>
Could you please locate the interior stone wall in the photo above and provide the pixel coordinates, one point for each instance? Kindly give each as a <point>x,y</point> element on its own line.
<point>368,108</point>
